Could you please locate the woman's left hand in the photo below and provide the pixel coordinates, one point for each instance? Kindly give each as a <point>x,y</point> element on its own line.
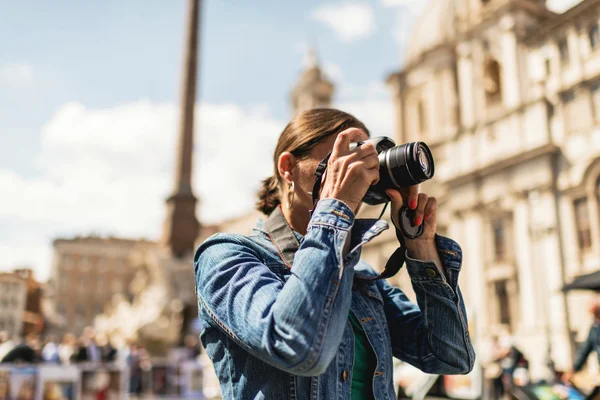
<point>423,247</point>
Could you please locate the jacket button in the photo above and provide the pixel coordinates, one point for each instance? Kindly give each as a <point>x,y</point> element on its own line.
<point>431,273</point>
<point>345,375</point>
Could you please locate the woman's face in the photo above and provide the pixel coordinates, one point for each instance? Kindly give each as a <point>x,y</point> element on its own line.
<point>304,174</point>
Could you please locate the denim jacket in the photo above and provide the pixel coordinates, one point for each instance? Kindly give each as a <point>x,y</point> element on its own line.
<point>278,333</point>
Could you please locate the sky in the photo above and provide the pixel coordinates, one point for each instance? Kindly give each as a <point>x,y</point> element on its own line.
<point>89,95</point>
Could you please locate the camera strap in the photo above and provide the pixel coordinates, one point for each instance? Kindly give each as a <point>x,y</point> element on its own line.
<point>320,171</point>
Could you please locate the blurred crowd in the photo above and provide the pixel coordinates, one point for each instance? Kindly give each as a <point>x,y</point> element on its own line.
<point>89,347</point>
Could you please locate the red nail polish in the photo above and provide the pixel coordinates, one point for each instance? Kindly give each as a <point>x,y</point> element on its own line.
<point>412,204</point>
<point>418,221</point>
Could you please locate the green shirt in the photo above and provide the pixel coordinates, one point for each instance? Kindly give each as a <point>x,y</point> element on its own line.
<point>365,363</point>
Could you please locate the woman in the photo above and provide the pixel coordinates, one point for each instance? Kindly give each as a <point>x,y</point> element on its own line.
<point>287,312</point>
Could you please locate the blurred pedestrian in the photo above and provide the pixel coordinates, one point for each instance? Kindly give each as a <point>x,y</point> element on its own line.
<point>88,348</point>
<point>27,352</point>
<point>66,349</point>
<point>506,358</point>
<point>135,370</point>
<point>108,353</point>
<point>192,345</point>
<point>50,351</point>
<point>6,344</point>
<point>591,344</point>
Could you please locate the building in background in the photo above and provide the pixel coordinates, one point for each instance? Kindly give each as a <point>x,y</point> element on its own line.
<point>87,272</point>
<point>507,95</point>
<point>313,89</point>
<point>20,303</point>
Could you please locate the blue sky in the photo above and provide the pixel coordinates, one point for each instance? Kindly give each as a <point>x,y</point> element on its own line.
<point>89,93</point>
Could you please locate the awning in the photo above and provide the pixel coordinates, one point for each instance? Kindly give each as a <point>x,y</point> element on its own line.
<point>585,282</point>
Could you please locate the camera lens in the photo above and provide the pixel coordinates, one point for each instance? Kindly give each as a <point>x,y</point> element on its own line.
<point>407,165</point>
<point>423,160</point>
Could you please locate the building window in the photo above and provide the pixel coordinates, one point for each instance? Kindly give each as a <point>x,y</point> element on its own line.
<point>594,36</point>
<point>422,114</point>
<point>570,110</point>
<point>582,222</point>
<point>500,237</point>
<point>492,81</point>
<point>503,302</point>
<point>563,50</point>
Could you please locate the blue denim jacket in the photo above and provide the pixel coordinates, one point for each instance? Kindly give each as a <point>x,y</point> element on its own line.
<point>279,333</point>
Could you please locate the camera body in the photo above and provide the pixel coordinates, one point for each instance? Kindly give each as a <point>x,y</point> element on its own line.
<point>399,166</point>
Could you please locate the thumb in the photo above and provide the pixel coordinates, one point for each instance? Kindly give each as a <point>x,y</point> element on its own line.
<point>397,202</point>
<point>396,197</point>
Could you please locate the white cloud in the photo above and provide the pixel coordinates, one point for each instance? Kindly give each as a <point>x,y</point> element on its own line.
<point>349,20</point>
<point>560,6</point>
<point>110,170</point>
<point>412,5</point>
<point>18,74</point>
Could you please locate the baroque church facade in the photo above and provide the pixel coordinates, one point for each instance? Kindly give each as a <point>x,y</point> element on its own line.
<point>507,95</point>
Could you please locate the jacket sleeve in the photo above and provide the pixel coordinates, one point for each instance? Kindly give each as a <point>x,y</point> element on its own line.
<point>433,335</point>
<point>584,352</point>
<point>296,326</point>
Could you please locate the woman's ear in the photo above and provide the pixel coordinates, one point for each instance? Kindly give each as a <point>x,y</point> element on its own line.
<point>286,166</point>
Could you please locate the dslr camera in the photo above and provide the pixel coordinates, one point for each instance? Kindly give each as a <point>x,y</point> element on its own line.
<point>399,166</point>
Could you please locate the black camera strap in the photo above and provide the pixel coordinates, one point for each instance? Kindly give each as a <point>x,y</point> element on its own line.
<point>319,181</point>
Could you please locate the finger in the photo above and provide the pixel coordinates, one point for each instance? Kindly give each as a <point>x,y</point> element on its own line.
<point>430,208</point>
<point>368,155</point>
<point>411,196</point>
<point>431,222</point>
<point>395,197</point>
<point>420,211</point>
<point>341,146</point>
<point>371,162</point>
<point>366,150</point>
<point>397,203</point>
<point>373,176</point>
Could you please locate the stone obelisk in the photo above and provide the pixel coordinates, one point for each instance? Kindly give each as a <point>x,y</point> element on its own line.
<point>181,226</point>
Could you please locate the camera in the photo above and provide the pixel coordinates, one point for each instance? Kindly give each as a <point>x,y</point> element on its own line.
<point>399,166</point>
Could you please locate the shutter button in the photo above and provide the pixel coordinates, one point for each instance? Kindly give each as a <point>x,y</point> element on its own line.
<point>431,273</point>
<point>345,375</point>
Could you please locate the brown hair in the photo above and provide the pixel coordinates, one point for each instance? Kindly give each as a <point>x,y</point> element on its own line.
<point>303,132</point>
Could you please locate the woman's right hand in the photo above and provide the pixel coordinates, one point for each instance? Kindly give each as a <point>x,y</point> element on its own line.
<point>350,173</point>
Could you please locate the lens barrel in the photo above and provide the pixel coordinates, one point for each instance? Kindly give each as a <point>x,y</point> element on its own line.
<point>406,165</point>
